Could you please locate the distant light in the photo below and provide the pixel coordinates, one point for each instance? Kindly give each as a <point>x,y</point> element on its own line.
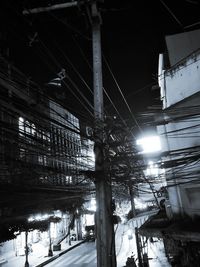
<point>89,219</point>
<point>39,217</point>
<point>45,216</point>
<point>93,204</point>
<point>152,169</point>
<point>57,213</point>
<point>31,219</point>
<point>149,144</point>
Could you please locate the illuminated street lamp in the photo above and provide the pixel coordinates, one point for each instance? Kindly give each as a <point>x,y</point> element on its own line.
<point>93,205</point>
<point>149,144</point>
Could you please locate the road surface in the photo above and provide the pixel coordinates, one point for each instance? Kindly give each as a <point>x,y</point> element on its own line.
<point>82,256</point>
<point>85,254</point>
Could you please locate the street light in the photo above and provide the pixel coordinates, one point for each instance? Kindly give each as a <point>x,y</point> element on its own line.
<point>93,204</point>
<point>149,144</point>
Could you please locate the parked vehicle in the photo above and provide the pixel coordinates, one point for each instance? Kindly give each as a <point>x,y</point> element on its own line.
<point>90,234</point>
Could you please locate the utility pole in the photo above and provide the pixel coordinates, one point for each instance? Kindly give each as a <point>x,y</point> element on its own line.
<point>26,249</point>
<point>104,217</point>
<point>132,199</point>
<point>50,251</point>
<point>139,247</point>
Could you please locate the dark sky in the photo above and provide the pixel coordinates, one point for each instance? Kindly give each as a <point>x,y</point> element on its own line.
<point>132,37</point>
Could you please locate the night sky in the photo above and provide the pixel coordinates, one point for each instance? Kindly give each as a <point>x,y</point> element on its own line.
<point>132,37</point>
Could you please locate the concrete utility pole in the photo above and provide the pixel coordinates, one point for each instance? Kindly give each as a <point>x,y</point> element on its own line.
<point>26,249</point>
<point>132,199</point>
<point>104,217</point>
<point>139,247</point>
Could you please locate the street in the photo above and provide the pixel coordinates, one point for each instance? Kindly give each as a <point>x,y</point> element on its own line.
<point>85,254</point>
<point>82,256</point>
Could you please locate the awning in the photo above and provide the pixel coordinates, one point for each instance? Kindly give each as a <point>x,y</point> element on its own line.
<point>160,226</point>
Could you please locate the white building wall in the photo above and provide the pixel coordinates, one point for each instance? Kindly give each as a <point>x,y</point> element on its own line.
<point>181,45</point>
<point>181,81</point>
<point>181,134</point>
<point>181,87</point>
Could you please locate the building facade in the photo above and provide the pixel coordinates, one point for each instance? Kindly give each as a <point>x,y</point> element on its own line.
<point>41,142</point>
<point>179,132</point>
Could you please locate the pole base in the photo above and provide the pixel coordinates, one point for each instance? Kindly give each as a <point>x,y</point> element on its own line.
<point>50,254</point>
